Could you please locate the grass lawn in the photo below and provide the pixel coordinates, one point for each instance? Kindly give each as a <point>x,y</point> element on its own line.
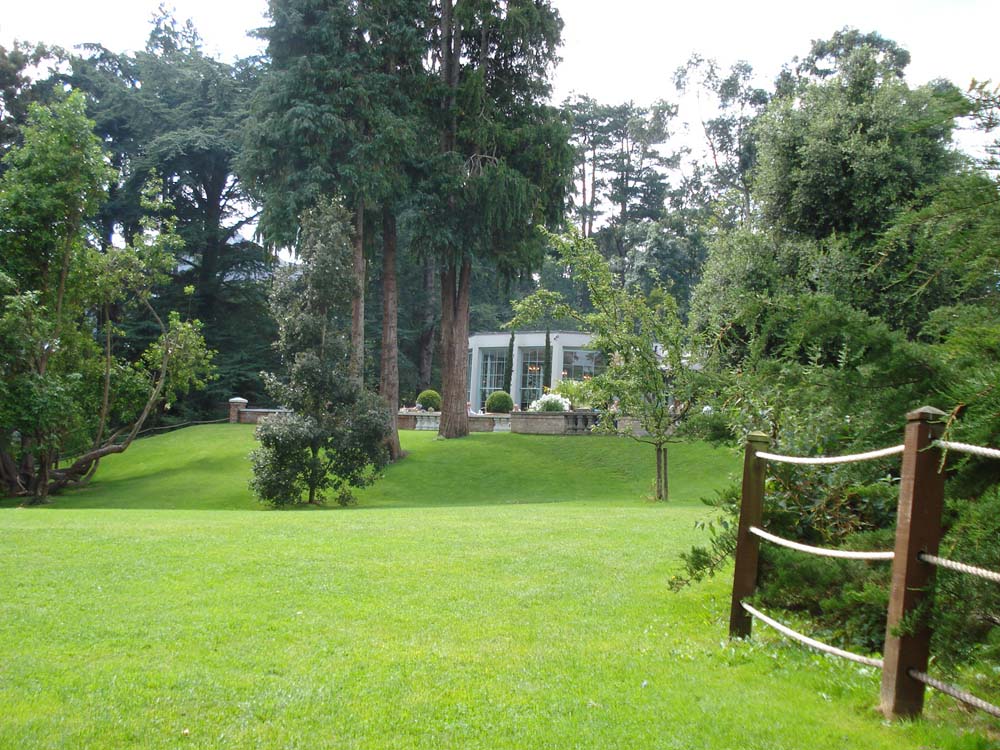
<point>502,591</point>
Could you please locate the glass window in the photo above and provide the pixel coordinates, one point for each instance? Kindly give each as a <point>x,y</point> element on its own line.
<point>532,361</point>
<point>581,364</point>
<point>492,372</point>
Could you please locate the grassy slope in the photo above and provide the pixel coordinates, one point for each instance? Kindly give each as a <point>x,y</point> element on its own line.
<point>473,624</point>
<point>206,468</point>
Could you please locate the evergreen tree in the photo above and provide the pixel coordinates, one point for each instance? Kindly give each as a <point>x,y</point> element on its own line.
<point>504,161</point>
<point>335,114</point>
<point>173,111</point>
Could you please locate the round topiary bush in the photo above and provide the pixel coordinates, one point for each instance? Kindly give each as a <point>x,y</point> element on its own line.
<point>500,402</point>
<point>430,400</point>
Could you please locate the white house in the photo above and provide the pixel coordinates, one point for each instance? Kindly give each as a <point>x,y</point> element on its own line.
<point>488,363</point>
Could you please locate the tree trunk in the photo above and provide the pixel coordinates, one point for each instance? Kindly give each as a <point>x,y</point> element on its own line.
<point>209,283</point>
<point>455,278</point>
<point>40,487</point>
<point>389,383</point>
<point>508,370</point>
<point>455,285</point>
<point>662,488</point>
<point>313,475</point>
<point>425,359</point>
<point>357,362</point>
<point>9,474</point>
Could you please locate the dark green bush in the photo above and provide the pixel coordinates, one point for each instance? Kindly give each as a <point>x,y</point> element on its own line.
<point>334,437</point>
<point>430,400</point>
<point>966,619</point>
<point>847,598</point>
<point>499,402</point>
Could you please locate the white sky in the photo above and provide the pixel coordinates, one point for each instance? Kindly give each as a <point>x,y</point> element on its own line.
<point>614,50</point>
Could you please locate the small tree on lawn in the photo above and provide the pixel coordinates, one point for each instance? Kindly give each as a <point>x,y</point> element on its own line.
<point>334,437</point>
<point>643,340</point>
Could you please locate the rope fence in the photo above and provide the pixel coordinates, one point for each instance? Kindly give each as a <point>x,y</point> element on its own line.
<point>914,559</point>
<point>821,551</point>
<point>975,450</point>
<point>943,562</point>
<point>956,693</point>
<point>831,460</point>
<point>812,642</point>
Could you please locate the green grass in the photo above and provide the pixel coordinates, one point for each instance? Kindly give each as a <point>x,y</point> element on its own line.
<point>206,468</point>
<point>443,612</point>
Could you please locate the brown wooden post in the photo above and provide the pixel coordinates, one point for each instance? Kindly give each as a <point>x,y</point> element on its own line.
<point>918,529</point>
<point>748,545</point>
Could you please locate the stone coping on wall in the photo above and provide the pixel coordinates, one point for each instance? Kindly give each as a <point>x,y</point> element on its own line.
<point>580,422</point>
<point>431,420</point>
<point>553,422</point>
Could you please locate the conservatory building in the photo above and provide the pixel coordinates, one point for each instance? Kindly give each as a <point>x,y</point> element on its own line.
<point>488,363</point>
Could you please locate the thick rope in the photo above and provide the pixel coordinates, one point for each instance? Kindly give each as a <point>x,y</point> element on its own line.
<point>826,460</point>
<point>975,450</point>
<point>812,643</point>
<point>955,693</point>
<point>822,551</point>
<point>942,562</point>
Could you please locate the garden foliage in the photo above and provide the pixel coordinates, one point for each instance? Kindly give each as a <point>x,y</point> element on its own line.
<point>550,402</point>
<point>68,388</point>
<point>499,402</point>
<point>648,377</point>
<point>430,400</point>
<point>334,437</point>
<point>864,288</point>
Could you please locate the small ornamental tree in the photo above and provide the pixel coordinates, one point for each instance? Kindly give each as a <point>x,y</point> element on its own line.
<point>334,437</point>
<point>642,339</point>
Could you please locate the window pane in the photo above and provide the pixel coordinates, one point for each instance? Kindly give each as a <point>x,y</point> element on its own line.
<point>494,366</point>
<point>581,364</point>
<point>531,375</point>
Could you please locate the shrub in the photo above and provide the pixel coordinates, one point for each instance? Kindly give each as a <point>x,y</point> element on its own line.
<point>282,464</point>
<point>302,459</point>
<point>334,438</point>
<point>550,402</point>
<point>430,400</point>
<point>576,391</point>
<point>500,402</point>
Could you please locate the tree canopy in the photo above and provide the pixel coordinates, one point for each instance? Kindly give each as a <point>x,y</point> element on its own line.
<point>64,391</point>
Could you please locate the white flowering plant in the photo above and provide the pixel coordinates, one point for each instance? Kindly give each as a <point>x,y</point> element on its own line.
<point>550,402</point>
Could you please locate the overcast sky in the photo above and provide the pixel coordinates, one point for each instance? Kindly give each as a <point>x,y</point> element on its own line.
<point>614,50</point>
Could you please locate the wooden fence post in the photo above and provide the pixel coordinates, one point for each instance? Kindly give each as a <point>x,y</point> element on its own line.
<point>918,529</point>
<point>748,545</point>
